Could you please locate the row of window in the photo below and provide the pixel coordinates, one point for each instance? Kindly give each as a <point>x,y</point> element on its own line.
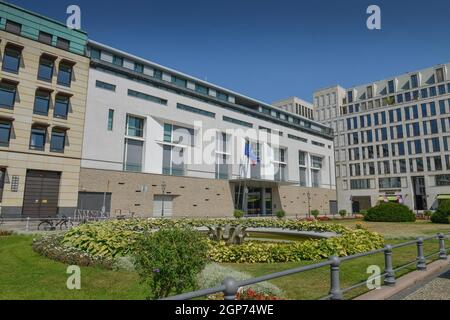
<point>417,164</point>
<point>392,86</point>
<point>38,137</point>
<point>211,93</point>
<point>42,101</point>
<point>396,132</point>
<point>398,115</point>
<point>43,37</point>
<point>394,182</point>
<point>397,149</point>
<point>400,98</point>
<point>12,60</point>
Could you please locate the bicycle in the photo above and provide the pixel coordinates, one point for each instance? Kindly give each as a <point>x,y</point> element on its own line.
<point>48,224</point>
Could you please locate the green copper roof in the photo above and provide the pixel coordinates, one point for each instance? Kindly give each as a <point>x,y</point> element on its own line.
<point>32,23</point>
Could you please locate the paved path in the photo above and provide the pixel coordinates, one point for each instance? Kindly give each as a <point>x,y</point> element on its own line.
<point>434,287</point>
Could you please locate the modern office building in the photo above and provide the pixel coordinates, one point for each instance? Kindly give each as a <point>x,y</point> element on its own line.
<point>161,143</point>
<point>391,139</point>
<point>43,87</point>
<point>297,106</point>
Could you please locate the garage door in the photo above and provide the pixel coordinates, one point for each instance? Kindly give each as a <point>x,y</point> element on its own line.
<point>162,206</point>
<point>41,194</point>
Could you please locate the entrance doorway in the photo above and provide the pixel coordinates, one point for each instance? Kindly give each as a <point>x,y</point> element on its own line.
<point>41,194</point>
<point>360,203</point>
<point>256,201</point>
<point>420,193</point>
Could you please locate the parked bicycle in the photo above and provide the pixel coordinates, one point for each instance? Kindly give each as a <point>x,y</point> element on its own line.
<point>50,224</point>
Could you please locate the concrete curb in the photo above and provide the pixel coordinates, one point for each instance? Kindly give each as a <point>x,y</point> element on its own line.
<point>406,281</point>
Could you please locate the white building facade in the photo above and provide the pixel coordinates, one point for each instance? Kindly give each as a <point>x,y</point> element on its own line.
<point>156,137</point>
<point>391,139</point>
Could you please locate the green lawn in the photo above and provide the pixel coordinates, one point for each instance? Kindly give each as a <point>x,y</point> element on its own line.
<point>26,275</point>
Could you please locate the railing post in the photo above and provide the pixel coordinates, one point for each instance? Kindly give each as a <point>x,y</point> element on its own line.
<point>389,279</point>
<point>442,250</point>
<point>336,292</point>
<point>27,227</point>
<point>231,289</point>
<point>421,262</point>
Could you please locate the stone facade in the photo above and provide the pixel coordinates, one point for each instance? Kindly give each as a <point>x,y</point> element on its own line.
<point>17,158</point>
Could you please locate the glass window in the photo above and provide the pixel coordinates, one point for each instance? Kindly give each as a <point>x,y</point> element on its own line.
<point>167,132</point>
<point>424,110</point>
<point>45,71</point>
<point>399,98</point>
<point>105,85</point>
<point>5,133</point>
<point>118,61</point>
<point>408,96</point>
<point>414,81</point>
<point>201,89</point>
<point>110,120</point>
<point>37,141</point>
<point>147,97</point>
<point>13,27</point>
<point>303,179</point>
<point>391,86</point>
<point>7,95</point>
<point>135,127</point>
<point>61,107</point>
<point>179,82</point>
<point>65,75</point>
<point>316,162</point>
<point>315,176</point>
<point>41,103</point>
<point>432,109</point>
<point>157,74</point>
<point>63,43</point>
<point>432,91</point>
<point>95,54</point>
<point>440,75</point>
<point>133,155</point>
<point>58,141</point>
<point>138,68</point>
<point>442,107</point>
<point>45,38</point>
<point>11,60</point>
<point>222,96</point>
<point>424,93</point>
<point>434,126</point>
<point>415,111</point>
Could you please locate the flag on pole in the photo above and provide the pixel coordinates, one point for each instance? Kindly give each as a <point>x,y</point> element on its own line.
<point>250,154</point>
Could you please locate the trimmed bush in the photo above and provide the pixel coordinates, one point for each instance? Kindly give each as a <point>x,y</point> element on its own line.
<point>442,214</point>
<point>390,212</point>
<point>280,214</point>
<point>169,260</point>
<point>343,213</point>
<point>315,213</point>
<point>238,214</point>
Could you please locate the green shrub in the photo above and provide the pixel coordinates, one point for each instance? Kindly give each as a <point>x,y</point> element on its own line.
<point>363,213</point>
<point>169,260</point>
<point>117,238</point>
<point>280,214</point>
<point>442,214</point>
<point>428,214</point>
<point>238,214</point>
<point>343,213</point>
<point>315,213</point>
<point>390,212</point>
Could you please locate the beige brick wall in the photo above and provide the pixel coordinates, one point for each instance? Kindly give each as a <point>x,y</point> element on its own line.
<point>17,158</point>
<point>194,197</point>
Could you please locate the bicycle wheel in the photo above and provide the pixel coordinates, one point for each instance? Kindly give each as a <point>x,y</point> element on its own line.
<point>66,225</point>
<point>45,226</point>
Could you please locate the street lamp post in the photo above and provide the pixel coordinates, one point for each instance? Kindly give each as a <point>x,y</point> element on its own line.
<point>163,187</point>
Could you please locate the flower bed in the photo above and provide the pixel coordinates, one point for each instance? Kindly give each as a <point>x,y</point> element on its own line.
<point>117,238</point>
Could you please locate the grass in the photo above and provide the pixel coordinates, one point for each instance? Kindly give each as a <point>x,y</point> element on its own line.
<point>25,275</point>
<point>400,230</point>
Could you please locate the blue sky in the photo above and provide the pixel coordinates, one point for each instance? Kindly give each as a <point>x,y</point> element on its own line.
<point>269,49</point>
